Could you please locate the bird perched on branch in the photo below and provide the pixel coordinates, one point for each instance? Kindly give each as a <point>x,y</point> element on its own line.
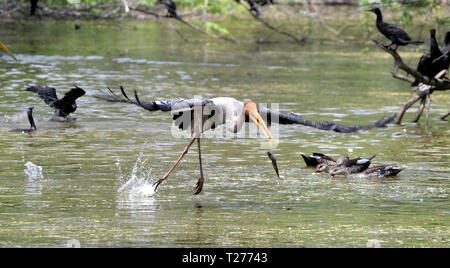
<point>253,7</point>
<point>33,7</point>
<point>171,8</point>
<point>265,2</point>
<point>392,32</point>
<point>444,61</point>
<point>427,65</point>
<point>63,107</point>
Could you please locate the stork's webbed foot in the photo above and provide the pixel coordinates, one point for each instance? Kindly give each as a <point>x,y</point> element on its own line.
<point>199,186</point>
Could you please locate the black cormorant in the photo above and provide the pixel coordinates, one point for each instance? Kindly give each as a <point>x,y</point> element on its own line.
<point>426,65</point>
<point>253,7</point>
<point>33,7</point>
<point>265,2</point>
<point>31,120</point>
<point>171,8</point>
<point>444,62</point>
<point>63,107</point>
<point>392,32</point>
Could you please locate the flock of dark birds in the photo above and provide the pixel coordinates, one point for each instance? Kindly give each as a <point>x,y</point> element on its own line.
<point>353,168</point>
<point>233,113</point>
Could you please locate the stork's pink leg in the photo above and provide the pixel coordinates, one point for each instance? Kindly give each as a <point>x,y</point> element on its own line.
<point>157,183</point>
<point>199,186</point>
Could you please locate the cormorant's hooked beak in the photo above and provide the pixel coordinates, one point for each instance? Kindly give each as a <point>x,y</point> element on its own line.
<point>6,50</point>
<point>252,111</point>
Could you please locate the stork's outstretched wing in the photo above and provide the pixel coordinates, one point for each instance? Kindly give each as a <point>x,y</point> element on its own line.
<point>173,105</point>
<point>182,109</point>
<point>292,118</point>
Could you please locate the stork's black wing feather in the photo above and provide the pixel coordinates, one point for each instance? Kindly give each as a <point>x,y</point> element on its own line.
<point>48,94</point>
<point>292,118</point>
<point>182,109</point>
<point>165,105</point>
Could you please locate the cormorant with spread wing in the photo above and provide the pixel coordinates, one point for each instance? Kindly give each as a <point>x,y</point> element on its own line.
<point>227,111</point>
<point>63,107</point>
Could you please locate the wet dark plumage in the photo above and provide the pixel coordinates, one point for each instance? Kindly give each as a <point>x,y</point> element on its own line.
<point>63,107</point>
<point>253,6</point>
<point>171,8</point>
<point>318,158</point>
<point>265,2</point>
<point>427,65</point>
<point>392,32</point>
<point>33,7</point>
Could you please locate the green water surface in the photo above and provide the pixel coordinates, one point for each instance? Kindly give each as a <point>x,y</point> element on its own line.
<point>243,203</point>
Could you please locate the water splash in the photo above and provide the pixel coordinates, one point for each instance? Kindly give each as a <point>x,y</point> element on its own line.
<point>139,183</point>
<point>33,171</point>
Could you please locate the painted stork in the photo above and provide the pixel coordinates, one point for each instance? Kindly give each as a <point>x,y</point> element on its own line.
<point>227,111</point>
<point>63,107</point>
<point>6,50</point>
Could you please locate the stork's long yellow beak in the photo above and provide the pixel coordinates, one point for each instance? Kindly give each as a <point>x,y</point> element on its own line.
<point>253,114</point>
<point>6,50</point>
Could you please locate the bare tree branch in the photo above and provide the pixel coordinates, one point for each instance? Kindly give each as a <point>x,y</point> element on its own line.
<point>437,84</point>
<point>426,86</point>
<point>273,28</point>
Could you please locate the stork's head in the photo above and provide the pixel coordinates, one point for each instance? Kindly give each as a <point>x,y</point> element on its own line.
<point>6,50</point>
<point>251,110</point>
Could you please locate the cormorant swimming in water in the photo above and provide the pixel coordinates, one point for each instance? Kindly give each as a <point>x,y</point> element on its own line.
<point>392,32</point>
<point>171,8</point>
<point>426,65</point>
<point>33,7</point>
<point>31,120</point>
<point>63,107</point>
